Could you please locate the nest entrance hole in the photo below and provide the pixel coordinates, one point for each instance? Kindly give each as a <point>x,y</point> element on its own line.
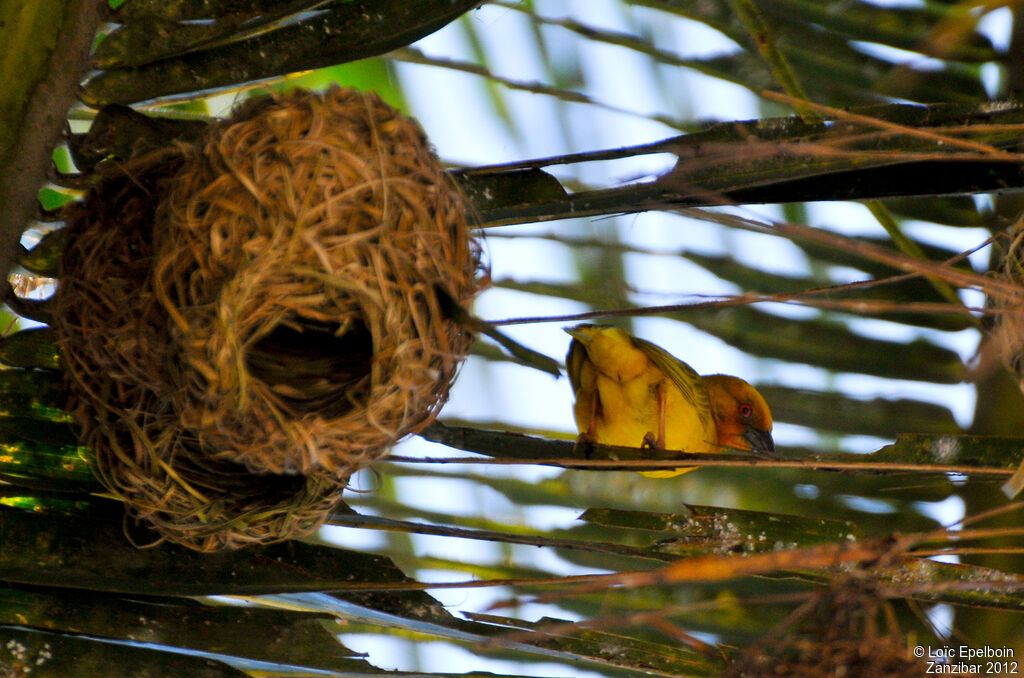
<point>312,368</point>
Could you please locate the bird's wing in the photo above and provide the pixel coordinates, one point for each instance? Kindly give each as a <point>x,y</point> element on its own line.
<point>682,375</point>
<point>574,363</point>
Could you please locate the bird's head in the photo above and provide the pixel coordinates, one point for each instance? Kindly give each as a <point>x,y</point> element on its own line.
<point>741,414</point>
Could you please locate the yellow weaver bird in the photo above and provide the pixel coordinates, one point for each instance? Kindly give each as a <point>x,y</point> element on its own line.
<point>632,393</point>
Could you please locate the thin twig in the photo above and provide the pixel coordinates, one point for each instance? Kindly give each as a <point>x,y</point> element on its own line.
<point>708,460</point>
<point>942,139</point>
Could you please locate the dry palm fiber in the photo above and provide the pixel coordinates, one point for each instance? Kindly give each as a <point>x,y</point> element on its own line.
<point>300,258</point>
<point>265,302</point>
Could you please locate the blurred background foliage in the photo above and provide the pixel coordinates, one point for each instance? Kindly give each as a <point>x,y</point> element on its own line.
<point>556,116</point>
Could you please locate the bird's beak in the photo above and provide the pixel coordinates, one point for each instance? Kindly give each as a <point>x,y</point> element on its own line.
<point>760,441</point>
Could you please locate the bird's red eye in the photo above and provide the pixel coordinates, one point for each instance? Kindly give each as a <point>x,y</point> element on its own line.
<point>746,410</point>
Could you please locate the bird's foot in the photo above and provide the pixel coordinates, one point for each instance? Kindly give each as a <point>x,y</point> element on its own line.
<point>584,445</point>
<point>651,442</point>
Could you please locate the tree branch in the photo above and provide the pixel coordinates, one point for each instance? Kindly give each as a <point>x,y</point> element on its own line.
<point>46,49</point>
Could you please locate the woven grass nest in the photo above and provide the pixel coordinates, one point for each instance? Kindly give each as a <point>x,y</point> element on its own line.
<point>848,630</point>
<point>1009,330</point>
<point>249,319</point>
